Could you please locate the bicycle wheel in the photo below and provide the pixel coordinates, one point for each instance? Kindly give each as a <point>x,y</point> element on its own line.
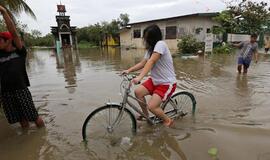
<point>105,126</point>
<point>180,104</point>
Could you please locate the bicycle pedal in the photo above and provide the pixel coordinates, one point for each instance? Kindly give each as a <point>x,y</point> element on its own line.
<point>155,120</point>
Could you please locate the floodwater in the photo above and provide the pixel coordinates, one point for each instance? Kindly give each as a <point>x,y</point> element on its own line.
<point>232,111</point>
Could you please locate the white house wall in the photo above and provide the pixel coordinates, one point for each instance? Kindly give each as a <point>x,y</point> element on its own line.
<point>186,24</point>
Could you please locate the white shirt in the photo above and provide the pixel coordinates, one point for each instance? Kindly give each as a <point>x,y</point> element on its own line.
<point>163,71</point>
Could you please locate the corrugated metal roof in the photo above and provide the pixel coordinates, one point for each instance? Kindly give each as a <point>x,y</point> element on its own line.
<point>212,14</point>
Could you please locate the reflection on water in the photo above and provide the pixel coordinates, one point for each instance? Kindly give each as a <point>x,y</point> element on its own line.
<point>154,145</point>
<point>157,146</point>
<point>66,61</point>
<point>67,86</point>
<point>242,84</point>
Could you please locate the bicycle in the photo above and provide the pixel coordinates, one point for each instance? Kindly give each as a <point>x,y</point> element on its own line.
<point>116,120</point>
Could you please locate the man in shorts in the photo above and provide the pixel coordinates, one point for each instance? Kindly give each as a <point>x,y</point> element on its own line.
<point>248,49</point>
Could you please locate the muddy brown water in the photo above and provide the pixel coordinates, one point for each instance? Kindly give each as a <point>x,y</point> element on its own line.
<point>232,111</point>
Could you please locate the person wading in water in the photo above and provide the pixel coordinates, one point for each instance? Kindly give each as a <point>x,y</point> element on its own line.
<point>17,100</point>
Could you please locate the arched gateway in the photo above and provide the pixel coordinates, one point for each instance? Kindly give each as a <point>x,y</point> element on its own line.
<point>64,33</point>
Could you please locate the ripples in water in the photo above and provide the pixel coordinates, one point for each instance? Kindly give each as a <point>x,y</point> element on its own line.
<point>68,86</point>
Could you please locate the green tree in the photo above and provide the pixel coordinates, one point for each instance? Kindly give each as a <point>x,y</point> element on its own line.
<point>95,34</point>
<point>36,33</point>
<point>227,21</point>
<point>243,16</point>
<point>267,26</point>
<point>91,34</point>
<point>30,39</point>
<point>47,40</point>
<point>123,19</point>
<point>17,6</point>
<point>33,40</point>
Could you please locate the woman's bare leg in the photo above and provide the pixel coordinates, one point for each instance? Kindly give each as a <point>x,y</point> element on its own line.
<point>140,93</point>
<point>154,107</point>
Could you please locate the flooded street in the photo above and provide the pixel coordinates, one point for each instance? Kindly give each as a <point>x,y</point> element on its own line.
<point>232,111</point>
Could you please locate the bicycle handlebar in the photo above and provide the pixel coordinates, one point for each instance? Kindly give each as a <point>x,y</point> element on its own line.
<point>129,77</point>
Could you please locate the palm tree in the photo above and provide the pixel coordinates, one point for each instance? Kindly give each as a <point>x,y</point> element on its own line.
<point>17,6</point>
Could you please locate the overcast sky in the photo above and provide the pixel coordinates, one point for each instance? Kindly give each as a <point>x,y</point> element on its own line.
<point>85,12</point>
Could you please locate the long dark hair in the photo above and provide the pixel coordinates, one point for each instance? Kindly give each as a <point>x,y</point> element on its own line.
<point>151,35</point>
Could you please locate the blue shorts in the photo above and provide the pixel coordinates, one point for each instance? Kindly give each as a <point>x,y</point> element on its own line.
<point>244,61</point>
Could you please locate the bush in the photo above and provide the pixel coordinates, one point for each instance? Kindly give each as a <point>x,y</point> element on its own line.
<point>30,40</point>
<point>223,49</point>
<point>188,44</point>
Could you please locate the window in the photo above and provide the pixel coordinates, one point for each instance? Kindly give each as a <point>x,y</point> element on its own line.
<point>136,33</point>
<point>171,32</point>
<point>198,30</point>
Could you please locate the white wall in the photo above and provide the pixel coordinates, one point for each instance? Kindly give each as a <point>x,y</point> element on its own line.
<point>238,37</point>
<point>186,24</point>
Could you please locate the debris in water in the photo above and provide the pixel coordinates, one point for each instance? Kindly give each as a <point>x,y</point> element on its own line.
<point>126,141</point>
<point>213,152</point>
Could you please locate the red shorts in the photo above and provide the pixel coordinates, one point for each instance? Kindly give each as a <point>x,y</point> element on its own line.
<point>164,91</point>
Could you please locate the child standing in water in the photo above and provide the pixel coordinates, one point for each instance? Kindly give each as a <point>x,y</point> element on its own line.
<point>248,49</point>
<point>162,82</point>
<point>16,98</point>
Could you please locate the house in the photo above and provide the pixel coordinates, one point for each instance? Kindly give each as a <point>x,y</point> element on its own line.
<point>172,28</point>
<point>110,40</point>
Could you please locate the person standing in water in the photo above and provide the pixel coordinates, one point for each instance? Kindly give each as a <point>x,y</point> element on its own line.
<point>17,101</point>
<point>248,49</point>
<point>162,82</point>
<point>266,45</point>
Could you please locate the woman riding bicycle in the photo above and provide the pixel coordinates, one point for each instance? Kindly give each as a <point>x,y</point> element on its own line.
<point>162,81</point>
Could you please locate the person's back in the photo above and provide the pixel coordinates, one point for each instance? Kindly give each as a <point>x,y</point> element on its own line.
<point>163,70</point>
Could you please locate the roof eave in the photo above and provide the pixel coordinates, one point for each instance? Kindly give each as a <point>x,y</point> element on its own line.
<point>212,14</point>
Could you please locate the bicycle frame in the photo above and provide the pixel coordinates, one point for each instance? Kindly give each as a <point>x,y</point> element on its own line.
<point>115,117</point>
<point>126,102</point>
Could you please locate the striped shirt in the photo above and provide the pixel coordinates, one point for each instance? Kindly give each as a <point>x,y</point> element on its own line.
<point>248,49</point>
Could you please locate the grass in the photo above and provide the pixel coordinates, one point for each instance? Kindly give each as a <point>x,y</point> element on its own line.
<point>85,45</point>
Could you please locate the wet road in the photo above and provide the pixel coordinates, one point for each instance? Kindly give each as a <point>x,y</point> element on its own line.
<point>232,116</point>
